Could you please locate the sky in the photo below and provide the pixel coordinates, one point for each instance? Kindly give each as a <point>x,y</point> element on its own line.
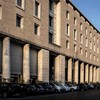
<point>90,9</point>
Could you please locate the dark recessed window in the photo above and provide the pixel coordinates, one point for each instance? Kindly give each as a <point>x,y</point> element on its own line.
<point>36,29</point>
<point>18,20</point>
<point>50,37</point>
<point>51,5</point>
<point>36,8</point>
<point>19,3</point>
<point>51,21</point>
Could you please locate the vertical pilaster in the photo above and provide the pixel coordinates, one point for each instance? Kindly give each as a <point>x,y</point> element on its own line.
<point>26,63</point>
<point>94,74</point>
<point>91,74</point>
<point>82,72</point>
<point>43,65</point>
<point>87,73</point>
<point>6,59</point>
<point>70,70</point>
<point>76,71</point>
<point>97,74</point>
<point>60,68</point>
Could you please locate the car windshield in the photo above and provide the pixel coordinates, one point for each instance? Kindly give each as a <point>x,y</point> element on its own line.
<point>57,83</point>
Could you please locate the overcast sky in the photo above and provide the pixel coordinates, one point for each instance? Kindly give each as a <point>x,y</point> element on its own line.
<point>90,9</point>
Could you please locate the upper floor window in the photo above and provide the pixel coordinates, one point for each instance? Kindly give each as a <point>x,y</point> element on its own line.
<point>90,34</point>
<point>75,21</point>
<point>51,23</point>
<point>86,53</point>
<point>86,44</point>
<point>97,40</point>
<point>81,38</point>
<point>86,30</point>
<point>67,44</point>
<point>19,21</point>
<point>67,14</point>
<point>74,47</point>
<point>81,51</point>
<point>81,26</point>
<point>51,5</point>
<point>90,45</point>
<point>94,37</point>
<point>37,9</point>
<point>68,30</point>
<point>51,37</point>
<point>75,34</point>
<point>20,3</point>
<point>36,29</point>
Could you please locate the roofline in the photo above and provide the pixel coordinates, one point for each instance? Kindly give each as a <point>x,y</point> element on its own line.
<point>75,8</point>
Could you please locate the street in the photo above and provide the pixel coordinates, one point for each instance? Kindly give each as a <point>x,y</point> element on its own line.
<point>80,95</point>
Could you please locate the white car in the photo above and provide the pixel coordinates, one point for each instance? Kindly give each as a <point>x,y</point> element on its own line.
<point>66,87</point>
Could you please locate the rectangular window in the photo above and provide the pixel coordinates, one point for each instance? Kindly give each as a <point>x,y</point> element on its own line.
<point>51,37</point>
<point>75,34</point>
<point>81,51</point>
<point>68,30</point>
<point>36,29</point>
<point>74,47</point>
<point>51,5</point>
<point>86,53</point>
<point>19,21</point>
<point>90,56</point>
<point>19,3</point>
<point>86,30</point>
<point>81,38</point>
<point>75,21</point>
<point>81,26</point>
<point>67,44</point>
<point>51,21</point>
<point>67,14</point>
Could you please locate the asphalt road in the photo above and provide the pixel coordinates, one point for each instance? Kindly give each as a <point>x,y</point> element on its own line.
<point>81,95</point>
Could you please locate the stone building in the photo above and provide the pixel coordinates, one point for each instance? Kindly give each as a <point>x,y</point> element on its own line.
<point>47,40</point>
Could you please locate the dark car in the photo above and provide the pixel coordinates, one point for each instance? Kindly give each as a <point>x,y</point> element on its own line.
<point>40,89</point>
<point>10,89</point>
<point>82,87</point>
<point>28,89</point>
<point>48,88</point>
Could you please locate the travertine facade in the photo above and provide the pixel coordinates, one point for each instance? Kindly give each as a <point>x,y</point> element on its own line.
<point>47,40</point>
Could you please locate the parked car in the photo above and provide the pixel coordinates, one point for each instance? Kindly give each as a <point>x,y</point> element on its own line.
<point>48,88</point>
<point>82,87</point>
<point>66,87</point>
<point>10,89</point>
<point>73,87</point>
<point>58,87</point>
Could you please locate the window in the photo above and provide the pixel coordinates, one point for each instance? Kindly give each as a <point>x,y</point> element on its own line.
<point>51,5</point>
<point>74,47</point>
<point>90,56</point>
<point>36,29</point>
<point>86,44</point>
<point>97,40</point>
<point>19,21</point>
<point>51,21</point>
<point>94,47</point>
<point>90,34</point>
<point>67,14</point>
<point>81,26</point>
<point>81,51</point>
<point>97,59</point>
<point>97,49</point>
<point>86,53</point>
<point>81,38</point>
<point>94,57</point>
<point>94,37</point>
<point>37,9</point>
<point>20,3</point>
<point>86,30</point>
<point>51,39</point>
<point>75,21</point>
<point>75,34</point>
<point>90,45</point>
<point>68,30</point>
<point>67,44</point>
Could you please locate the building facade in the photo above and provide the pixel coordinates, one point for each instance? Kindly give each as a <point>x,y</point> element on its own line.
<point>48,40</point>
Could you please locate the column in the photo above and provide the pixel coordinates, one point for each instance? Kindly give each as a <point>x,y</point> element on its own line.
<point>97,74</point>
<point>94,74</point>
<point>60,68</point>
<point>76,71</point>
<point>81,72</point>
<point>70,70</point>
<point>87,73</point>
<point>91,73</point>
<point>6,60</point>
<point>26,63</point>
<point>43,65</point>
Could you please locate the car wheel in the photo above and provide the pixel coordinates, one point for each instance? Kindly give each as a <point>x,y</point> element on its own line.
<point>5,95</point>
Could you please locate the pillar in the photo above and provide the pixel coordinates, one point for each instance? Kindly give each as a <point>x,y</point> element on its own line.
<point>87,73</point>
<point>82,73</point>
<point>60,68</point>
<point>43,65</point>
<point>91,74</point>
<point>97,74</point>
<point>26,63</point>
<point>94,74</point>
<point>76,71</point>
<point>6,60</point>
<point>70,70</point>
